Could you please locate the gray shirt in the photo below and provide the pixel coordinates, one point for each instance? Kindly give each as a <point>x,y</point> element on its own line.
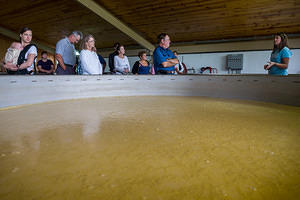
<point>66,50</point>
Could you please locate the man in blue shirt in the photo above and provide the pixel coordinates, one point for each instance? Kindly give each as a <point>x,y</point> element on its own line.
<point>163,58</point>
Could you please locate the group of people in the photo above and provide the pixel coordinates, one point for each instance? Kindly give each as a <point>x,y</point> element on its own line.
<point>20,57</point>
<point>165,62</point>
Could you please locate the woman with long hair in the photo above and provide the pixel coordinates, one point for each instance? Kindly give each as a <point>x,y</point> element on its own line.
<point>280,56</point>
<point>121,61</point>
<point>25,64</point>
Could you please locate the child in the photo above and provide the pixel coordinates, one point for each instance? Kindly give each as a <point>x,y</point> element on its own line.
<point>13,53</point>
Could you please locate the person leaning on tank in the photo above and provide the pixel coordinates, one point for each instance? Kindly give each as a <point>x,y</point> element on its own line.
<point>163,58</point>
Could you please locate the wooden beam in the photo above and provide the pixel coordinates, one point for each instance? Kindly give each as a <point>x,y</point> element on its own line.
<point>15,36</point>
<point>100,11</point>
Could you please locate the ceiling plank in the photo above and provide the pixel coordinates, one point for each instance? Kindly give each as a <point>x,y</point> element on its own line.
<point>100,11</point>
<point>15,36</point>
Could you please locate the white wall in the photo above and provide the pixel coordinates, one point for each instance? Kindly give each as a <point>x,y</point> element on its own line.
<point>253,61</point>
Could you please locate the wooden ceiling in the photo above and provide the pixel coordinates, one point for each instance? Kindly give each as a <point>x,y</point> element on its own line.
<point>198,20</point>
<point>51,20</point>
<point>183,20</point>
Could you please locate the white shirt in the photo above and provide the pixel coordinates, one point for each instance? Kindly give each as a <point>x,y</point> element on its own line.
<point>32,50</point>
<point>121,64</point>
<point>90,63</point>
